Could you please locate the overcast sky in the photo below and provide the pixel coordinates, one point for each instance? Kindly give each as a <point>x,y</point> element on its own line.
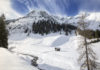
<point>17,8</point>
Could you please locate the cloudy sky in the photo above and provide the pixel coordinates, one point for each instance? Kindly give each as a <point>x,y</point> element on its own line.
<point>17,8</point>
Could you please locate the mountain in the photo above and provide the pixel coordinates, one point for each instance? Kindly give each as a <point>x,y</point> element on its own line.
<point>44,46</point>
<point>26,22</point>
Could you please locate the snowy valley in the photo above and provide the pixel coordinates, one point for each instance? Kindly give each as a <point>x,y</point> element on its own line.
<point>43,46</point>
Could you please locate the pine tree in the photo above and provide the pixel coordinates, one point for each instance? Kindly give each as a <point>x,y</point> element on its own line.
<point>87,57</point>
<point>97,34</point>
<point>3,33</point>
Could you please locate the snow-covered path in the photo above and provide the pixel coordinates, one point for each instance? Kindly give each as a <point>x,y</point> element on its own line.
<point>9,61</point>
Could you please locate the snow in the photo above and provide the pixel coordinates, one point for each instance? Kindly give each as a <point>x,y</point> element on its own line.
<point>94,16</point>
<point>26,22</point>
<point>9,61</point>
<point>44,46</point>
<point>96,48</point>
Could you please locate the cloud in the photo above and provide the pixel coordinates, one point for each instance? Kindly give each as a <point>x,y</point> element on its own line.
<point>5,7</point>
<point>52,6</point>
<point>63,7</point>
<point>16,8</point>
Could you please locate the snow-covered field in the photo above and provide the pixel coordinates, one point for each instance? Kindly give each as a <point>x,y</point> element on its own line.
<point>9,61</point>
<point>44,48</point>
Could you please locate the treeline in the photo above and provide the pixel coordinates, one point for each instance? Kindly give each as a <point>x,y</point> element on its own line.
<point>46,26</point>
<point>90,33</point>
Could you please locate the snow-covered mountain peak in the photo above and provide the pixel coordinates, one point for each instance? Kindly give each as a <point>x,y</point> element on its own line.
<point>25,22</point>
<point>95,16</point>
<point>38,13</point>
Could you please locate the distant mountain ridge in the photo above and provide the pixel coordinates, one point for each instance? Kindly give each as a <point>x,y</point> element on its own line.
<point>21,24</point>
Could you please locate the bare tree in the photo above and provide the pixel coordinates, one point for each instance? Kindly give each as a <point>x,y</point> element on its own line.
<point>87,57</point>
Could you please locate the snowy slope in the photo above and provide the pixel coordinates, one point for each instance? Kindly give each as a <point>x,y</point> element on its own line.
<point>94,20</point>
<point>94,16</point>
<point>9,61</point>
<point>26,22</point>
<point>21,24</point>
<point>44,48</point>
